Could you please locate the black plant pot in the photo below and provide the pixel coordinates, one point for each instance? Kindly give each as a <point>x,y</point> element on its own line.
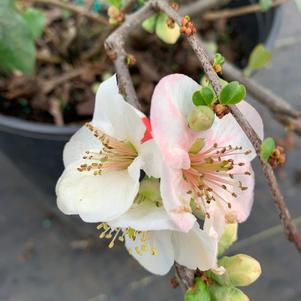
<point>36,148</point>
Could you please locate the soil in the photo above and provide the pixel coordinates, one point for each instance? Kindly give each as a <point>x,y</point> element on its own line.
<point>71,61</point>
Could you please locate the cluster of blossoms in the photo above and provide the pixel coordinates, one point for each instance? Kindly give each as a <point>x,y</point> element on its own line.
<point>167,191</point>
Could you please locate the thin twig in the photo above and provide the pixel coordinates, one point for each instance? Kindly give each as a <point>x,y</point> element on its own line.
<point>128,6</point>
<point>197,8</point>
<point>196,45</point>
<point>75,9</point>
<point>238,11</point>
<point>115,48</point>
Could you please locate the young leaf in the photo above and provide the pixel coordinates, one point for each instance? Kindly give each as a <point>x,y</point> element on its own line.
<point>17,49</point>
<point>203,97</point>
<point>267,148</point>
<point>298,3</point>
<point>164,32</point>
<point>232,93</point>
<point>150,23</point>
<point>117,3</point>
<point>265,4</point>
<point>221,293</point>
<point>35,20</point>
<point>218,59</point>
<point>198,292</point>
<point>258,59</point>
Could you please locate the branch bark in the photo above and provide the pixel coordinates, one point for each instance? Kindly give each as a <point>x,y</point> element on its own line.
<point>238,11</point>
<point>115,49</point>
<point>196,45</point>
<point>75,9</point>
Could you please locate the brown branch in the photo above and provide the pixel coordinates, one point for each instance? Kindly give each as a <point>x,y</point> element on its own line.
<point>115,49</point>
<point>75,9</point>
<point>196,45</point>
<point>238,11</point>
<point>185,275</point>
<point>195,8</point>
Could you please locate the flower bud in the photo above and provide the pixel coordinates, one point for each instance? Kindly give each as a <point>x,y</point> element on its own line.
<point>201,118</point>
<point>241,269</point>
<point>228,237</point>
<point>221,293</point>
<point>150,189</point>
<point>164,32</point>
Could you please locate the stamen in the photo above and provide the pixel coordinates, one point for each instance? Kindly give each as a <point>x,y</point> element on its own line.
<point>115,155</point>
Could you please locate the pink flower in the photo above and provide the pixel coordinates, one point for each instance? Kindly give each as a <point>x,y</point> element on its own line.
<point>215,179</point>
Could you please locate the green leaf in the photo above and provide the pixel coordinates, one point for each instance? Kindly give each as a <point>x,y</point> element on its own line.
<point>218,59</point>
<point>17,49</point>
<point>267,148</point>
<point>199,292</point>
<point>298,3</point>
<point>232,93</point>
<point>221,293</point>
<point>117,3</point>
<point>203,97</point>
<point>35,20</point>
<point>265,4</point>
<point>166,34</point>
<point>150,23</point>
<point>258,59</point>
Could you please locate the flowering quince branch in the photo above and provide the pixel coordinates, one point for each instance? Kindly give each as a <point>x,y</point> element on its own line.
<point>115,42</point>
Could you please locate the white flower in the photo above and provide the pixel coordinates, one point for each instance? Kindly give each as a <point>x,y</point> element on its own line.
<point>153,240</point>
<point>103,160</point>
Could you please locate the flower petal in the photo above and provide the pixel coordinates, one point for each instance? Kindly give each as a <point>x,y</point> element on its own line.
<point>253,117</point>
<point>115,116</point>
<point>176,201</point>
<point>144,217</point>
<point>162,261</point>
<point>83,140</point>
<point>227,131</point>
<point>241,205</point>
<point>151,157</point>
<point>171,105</point>
<point>195,249</point>
<point>96,198</point>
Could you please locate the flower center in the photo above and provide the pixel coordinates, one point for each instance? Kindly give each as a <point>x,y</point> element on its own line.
<point>215,177</point>
<point>119,234</point>
<point>115,155</point>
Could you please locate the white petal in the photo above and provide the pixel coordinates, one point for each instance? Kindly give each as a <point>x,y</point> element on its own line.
<point>171,104</point>
<point>95,198</point>
<point>253,117</point>
<point>160,263</point>
<point>152,159</point>
<point>83,140</point>
<point>195,249</point>
<point>144,217</point>
<point>115,116</point>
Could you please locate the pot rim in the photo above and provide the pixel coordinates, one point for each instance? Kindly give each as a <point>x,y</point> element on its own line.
<point>48,131</point>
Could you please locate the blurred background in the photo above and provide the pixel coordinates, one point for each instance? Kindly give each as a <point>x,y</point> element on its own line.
<point>46,256</point>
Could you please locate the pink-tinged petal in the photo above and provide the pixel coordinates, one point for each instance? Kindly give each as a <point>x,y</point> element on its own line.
<point>253,117</point>
<point>171,105</point>
<point>241,205</point>
<point>227,131</point>
<point>176,201</point>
